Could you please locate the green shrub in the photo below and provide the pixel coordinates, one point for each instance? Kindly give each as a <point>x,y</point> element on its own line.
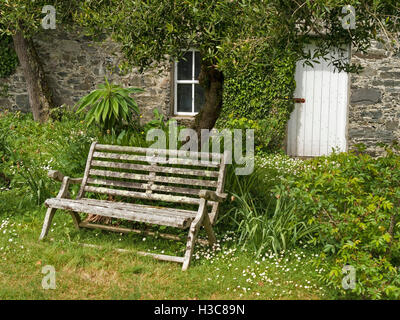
<point>258,95</point>
<point>277,228</point>
<point>110,106</point>
<point>261,220</point>
<point>8,57</point>
<point>354,200</point>
<point>29,149</point>
<point>128,137</point>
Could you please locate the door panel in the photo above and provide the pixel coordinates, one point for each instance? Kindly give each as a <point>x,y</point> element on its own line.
<point>319,124</point>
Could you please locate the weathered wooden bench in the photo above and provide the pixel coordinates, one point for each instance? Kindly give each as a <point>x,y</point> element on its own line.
<point>147,175</point>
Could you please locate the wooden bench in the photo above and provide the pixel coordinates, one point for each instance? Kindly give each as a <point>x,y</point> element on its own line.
<point>148,175</point>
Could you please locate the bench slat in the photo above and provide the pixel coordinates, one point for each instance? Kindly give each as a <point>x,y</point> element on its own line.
<point>142,195</point>
<point>172,153</point>
<point>144,186</point>
<point>152,168</point>
<point>160,160</point>
<point>141,207</point>
<point>143,177</point>
<point>152,215</point>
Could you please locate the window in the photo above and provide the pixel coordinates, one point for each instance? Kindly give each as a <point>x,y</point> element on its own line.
<point>189,95</point>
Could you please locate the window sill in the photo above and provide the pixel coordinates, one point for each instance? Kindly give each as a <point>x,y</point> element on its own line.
<point>182,117</point>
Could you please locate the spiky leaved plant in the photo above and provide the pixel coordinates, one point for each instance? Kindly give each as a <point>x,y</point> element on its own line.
<point>110,106</point>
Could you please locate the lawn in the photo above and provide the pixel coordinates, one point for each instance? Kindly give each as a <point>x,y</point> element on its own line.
<point>289,230</point>
<point>222,272</point>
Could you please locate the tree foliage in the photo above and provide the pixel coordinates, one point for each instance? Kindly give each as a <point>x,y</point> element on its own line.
<point>241,39</point>
<point>228,33</point>
<point>26,15</point>
<point>158,30</point>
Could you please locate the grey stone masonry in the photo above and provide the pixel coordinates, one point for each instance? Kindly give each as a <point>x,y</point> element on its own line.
<point>75,65</point>
<point>374,108</point>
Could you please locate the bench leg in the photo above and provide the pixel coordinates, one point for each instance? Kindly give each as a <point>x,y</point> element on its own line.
<point>209,230</point>
<point>47,222</point>
<point>193,231</point>
<point>76,218</point>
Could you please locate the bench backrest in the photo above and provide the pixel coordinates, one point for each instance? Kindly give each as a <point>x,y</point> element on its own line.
<point>154,174</point>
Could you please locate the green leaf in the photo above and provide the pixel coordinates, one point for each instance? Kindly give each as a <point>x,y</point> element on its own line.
<point>98,110</point>
<point>106,109</point>
<point>88,100</point>
<point>115,108</point>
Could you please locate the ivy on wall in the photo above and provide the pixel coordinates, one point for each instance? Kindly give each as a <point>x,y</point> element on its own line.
<point>8,57</point>
<point>259,95</point>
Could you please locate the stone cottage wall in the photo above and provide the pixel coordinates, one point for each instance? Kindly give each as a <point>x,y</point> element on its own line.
<point>75,65</point>
<point>374,110</point>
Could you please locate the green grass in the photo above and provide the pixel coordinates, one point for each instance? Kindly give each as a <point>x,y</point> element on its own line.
<point>223,272</point>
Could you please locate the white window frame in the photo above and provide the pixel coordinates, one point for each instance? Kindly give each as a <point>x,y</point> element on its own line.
<point>193,82</point>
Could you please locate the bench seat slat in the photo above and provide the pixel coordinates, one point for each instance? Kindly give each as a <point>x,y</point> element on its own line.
<point>147,214</point>
<point>141,207</point>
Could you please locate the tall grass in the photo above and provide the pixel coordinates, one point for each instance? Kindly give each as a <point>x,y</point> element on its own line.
<point>262,221</point>
<point>276,227</point>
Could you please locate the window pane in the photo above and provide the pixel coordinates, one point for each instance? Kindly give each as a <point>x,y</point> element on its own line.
<point>198,98</point>
<point>184,102</point>
<point>197,65</point>
<point>185,67</point>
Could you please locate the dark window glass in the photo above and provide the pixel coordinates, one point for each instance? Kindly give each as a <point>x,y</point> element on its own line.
<point>197,62</point>
<point>198,98</point>
<point>185,67</point>
<point>184,103</point>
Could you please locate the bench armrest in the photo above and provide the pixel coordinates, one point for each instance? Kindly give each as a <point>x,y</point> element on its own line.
<point>58,176</point>
<point>212,196</point>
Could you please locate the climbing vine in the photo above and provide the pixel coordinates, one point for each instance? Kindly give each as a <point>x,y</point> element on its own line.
<point>260,95</point>
<point>8,57</point>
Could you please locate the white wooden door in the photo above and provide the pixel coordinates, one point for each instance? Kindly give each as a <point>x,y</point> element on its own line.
<point>320,123</point>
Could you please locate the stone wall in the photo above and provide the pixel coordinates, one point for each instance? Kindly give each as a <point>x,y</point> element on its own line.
<point>374,110</point>
<point>75,65</point>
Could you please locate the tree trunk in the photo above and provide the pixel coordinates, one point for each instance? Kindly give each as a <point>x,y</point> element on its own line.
<point>212,81</point>
<point>40,97</point>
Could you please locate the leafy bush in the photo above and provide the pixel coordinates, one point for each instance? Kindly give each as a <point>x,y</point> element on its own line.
<point>354,200</point>
<point>110,106</point>
<point>262,221</point>
<point>29,173</point>
<point>277,228</point>
<point>29,149</point>
<point>8,57</point>
<point>128,137</point>
<point>258,95</point>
